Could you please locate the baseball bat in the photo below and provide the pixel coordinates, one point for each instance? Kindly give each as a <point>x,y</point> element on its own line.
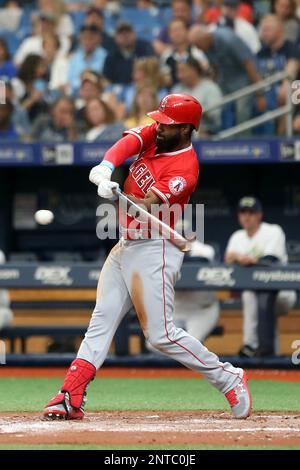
<point>163,229</point>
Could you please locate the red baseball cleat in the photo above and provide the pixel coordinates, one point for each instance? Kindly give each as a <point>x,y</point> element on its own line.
<point>239,399</point>
<point>59,408</point>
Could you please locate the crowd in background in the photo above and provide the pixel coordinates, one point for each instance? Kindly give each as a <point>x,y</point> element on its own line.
<point>87,70</point>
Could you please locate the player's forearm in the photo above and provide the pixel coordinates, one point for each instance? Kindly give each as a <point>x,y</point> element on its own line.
<point>125,148</point>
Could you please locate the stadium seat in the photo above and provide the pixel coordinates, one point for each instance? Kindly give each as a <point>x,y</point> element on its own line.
<point>12,40</point>
<point>147,23</point>
<point>78,19</point>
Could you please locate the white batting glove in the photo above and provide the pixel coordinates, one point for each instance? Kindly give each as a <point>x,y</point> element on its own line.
<point>105,189</point>
<point>100,175</point>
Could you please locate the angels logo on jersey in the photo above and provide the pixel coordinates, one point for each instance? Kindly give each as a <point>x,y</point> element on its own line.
<point>177,184</point>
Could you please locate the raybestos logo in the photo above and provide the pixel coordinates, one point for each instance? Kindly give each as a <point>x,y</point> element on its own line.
<point>54,275</point>
<point>216,276</point>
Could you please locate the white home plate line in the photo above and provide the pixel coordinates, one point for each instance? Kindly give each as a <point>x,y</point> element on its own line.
<point>109,426</point>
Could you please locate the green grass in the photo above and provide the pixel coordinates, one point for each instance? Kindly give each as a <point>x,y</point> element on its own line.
<point>31,394</point>
<point>139,447</point>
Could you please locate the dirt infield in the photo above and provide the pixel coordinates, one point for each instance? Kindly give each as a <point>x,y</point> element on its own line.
<point>157,427</point>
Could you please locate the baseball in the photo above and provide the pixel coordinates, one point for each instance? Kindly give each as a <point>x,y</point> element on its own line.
<point>44,217</point>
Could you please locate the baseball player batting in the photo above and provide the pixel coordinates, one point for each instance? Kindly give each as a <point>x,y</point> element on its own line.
<point>142,272</point>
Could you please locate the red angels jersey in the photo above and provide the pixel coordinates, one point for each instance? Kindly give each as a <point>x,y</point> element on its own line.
<point>172,176</point>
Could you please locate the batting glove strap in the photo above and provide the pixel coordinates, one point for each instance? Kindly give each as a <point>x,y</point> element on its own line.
<point>77,379</point>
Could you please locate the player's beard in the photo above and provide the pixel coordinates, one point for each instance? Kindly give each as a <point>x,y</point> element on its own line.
<point>167,144</point>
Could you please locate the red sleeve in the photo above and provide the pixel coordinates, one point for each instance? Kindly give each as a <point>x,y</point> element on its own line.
<point>174,187</point>
<point>121,150</point>
<point>145,134</point>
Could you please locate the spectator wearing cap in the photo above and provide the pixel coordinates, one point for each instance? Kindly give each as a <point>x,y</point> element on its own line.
<point>234,63</point>
<point>119,64</point>
<point>7,67</point>
<point>259,243</point>
<point>89,55</point>
<point>242,28</point>
<point>180,50</point>
<point>95,17</point>
<point>8,130</point>
<point>43,23</point>
<point>194,82</point>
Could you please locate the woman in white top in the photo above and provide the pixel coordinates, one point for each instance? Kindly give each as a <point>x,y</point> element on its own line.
<point>57,64</point>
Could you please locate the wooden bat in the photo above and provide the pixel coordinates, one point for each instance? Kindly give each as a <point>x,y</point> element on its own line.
<point>163,229</point>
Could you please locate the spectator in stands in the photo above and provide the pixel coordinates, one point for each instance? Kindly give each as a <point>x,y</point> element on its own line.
<point>198,310</point>
<point>192,81</point>
<point>93,86</point>
<point>285,10</point>
<point>60,125</point>
<point>211,12</point>
<point>8,130</point>
<point>20,118</point>
<point>42,23</point>
<point>56,9</point>
<point>102,122</point>
<point>7,68</point>
<point>242,28</point>
<point>182,9</point>
<point>6,315</point>
<point>89,55</point>
<point>146,71</point>
<point>57,65</point>
<point>95,17</point>
<point>31,87</point>
<point>276,55</point>
<point>180,49</point>
<point>119,64</point>
<point>259,243</point>
<point>234,63</point>
<point>145,99</point>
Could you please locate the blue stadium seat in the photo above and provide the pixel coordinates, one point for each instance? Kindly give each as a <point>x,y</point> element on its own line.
<point>110,22</point>
<point>78,19</point>
<point>25,26</point>
<point>146,23</point>
<point>12,40</point>
<point>166,15</point>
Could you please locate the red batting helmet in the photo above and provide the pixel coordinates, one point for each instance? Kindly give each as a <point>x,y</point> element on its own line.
<point>178,109</point>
